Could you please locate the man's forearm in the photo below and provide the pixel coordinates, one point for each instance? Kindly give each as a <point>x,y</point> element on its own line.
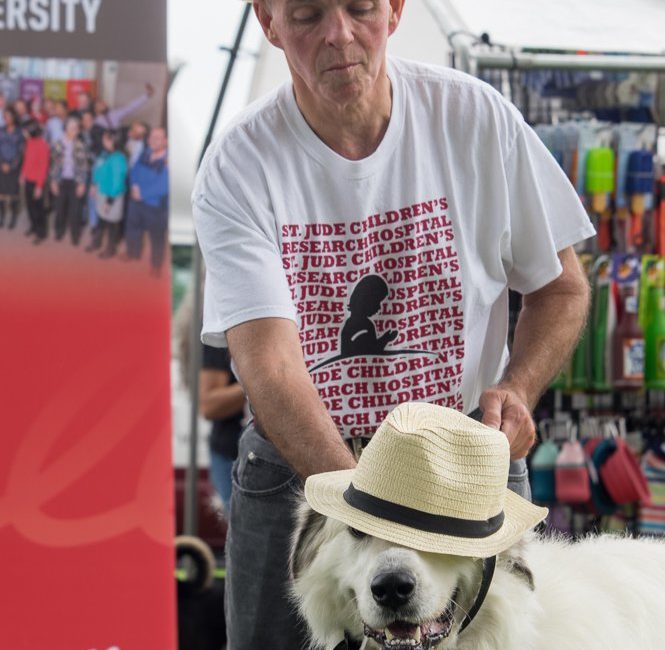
<point>294,419</point>
<point>548,329</point>
<point>285,402</point>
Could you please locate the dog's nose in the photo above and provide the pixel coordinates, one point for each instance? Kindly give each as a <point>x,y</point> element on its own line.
<point>393,589</point>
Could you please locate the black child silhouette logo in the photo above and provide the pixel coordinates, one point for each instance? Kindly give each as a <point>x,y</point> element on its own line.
<point>358,336</point>
<point>359,333</point>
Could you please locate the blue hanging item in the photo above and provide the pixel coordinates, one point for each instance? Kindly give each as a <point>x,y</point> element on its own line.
<point>639,187</point>
<point>640,176</point>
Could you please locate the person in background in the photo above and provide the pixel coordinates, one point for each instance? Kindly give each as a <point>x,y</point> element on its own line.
<point>38,111</point>
<point>148,203</point>
<point>3,105</point>
<point>89,138</point>
<point>68,176</point>
<point>55,124</point>
<point>83,104</point>
<point>112,118</point>
<point>109,183</point>
<point>34,174</point>
<point>11,156</point>
<point>22,112</point>
<point>136,141</point>
<point>221,400</point>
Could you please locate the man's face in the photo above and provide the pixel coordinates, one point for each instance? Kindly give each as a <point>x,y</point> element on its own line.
<point>157,140</point>
<point>335,48</point>
<point>137,131</point>
<point>87,121</point>
<point>83,101</point>
<point>101,107</point>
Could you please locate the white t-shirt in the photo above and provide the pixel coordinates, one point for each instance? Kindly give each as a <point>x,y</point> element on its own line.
<point>396,267</point>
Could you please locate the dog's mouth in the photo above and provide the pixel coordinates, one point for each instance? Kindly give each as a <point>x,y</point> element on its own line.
<point>407,635</point>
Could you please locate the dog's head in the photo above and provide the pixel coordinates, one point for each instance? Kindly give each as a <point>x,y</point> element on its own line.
<point>344,580</point>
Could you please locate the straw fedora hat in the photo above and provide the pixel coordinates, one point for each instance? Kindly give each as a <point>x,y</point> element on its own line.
<point>431,479</point>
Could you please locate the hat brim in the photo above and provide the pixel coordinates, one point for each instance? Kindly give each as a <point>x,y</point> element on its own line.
<point>324,493</point>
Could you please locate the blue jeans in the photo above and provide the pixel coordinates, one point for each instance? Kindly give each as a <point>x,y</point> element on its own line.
<point>220,475</point>
<point>265,493</point>
<point>258,614</point>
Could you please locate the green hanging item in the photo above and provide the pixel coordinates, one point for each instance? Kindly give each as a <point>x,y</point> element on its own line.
<point>654,339</point>
<point>579,370</point>
<point>600,176</point>
<point>602,325</point>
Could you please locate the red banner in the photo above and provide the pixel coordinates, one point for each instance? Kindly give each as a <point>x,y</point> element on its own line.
<point>85,471</point>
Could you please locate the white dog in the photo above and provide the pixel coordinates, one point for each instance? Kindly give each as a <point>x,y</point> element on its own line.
<point>604,593</point>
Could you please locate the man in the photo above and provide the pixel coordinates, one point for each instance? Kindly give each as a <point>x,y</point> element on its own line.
<point>148,204</point>
<point>135,141</point>
<point>426,181</point>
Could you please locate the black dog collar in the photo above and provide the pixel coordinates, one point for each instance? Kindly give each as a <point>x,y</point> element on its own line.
<point>348,643</point>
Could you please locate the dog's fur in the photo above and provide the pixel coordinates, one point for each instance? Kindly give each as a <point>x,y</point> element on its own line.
<point>604,593</point>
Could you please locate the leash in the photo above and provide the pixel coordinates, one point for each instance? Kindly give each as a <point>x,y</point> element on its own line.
<point>489,564</point>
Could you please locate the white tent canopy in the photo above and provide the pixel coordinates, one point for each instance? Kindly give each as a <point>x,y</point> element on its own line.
<point>630,26</point>
<point>603,26</point>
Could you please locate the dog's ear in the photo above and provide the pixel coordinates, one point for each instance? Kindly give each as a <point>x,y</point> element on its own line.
<point>304,542</point>
<point>513,561</point>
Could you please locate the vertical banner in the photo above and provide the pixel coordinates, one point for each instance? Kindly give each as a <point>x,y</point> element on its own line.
<point>86,490</point>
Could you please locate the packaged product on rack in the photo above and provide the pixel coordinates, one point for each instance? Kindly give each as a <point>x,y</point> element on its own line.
<point>628,338</point>
<point>603,321</point>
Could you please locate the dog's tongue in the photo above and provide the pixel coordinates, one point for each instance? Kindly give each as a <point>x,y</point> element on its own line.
<point>402,630</point>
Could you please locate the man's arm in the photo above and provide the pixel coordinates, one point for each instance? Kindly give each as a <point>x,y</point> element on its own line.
<point>548,328</point>
<point>286,404</point>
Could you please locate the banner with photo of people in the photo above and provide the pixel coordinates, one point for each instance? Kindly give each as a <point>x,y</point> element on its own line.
<point>86,494</point>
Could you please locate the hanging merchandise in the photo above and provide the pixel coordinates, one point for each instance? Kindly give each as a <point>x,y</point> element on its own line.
<point>651,518</point>
<point>628,339</point>
<point>587,139</point>
<point>599,185</point>
<point>542,472</point>
<point>660,218</point>
<point>571,474</point>
<point>655,340</point>
<point>622,477</point>
<point>639,186</point>
<point>603,320</point>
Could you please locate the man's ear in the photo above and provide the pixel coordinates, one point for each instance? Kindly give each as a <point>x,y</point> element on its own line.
<point>395,9</point>
<point>264,16</point>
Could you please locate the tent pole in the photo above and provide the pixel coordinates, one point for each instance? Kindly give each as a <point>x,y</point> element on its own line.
<point>190,520</point>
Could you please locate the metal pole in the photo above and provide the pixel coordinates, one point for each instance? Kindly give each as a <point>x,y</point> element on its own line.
<point>190,521</point>
<point>532,61</point>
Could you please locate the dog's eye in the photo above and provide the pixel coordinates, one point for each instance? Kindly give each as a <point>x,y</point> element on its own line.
<point>358,534</point>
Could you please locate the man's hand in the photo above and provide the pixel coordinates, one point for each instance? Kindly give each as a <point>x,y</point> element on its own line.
<point>55,188</point>
<point>136,192</point>
<point>80,190</point>
<point>504,409</point>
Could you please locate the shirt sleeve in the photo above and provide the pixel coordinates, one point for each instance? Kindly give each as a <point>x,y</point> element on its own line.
<point>237,231</point>
<point>546,215</point>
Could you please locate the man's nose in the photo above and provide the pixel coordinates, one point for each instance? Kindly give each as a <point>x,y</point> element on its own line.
<point>338,28</point>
